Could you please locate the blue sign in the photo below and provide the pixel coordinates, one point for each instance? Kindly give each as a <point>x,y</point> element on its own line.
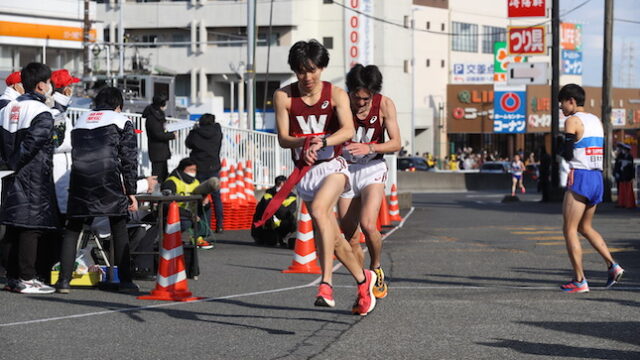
<point>509,112</point>
<point>571,62</point>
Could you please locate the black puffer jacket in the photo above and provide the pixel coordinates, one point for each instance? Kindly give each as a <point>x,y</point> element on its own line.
<point>205,142</point>
<point>29,197</point>
<point>158,138</point>
<point>105,164</point>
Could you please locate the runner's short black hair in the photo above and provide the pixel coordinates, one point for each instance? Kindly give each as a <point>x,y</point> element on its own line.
<point>34,73</point>
<point>572,91</point>
<point>307,55</point>
<point>109,98</point>
<point>280,179</point>
<point>364,77</point>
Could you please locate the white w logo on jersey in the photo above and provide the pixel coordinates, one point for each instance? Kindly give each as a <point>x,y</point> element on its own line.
<point>363,137</point>
<point>313,125</point>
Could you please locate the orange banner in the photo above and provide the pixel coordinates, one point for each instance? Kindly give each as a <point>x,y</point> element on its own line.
<point>54,32</point>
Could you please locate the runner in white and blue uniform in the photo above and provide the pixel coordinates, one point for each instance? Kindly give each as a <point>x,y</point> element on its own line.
<point>584,149</point>
<point>516,175</point>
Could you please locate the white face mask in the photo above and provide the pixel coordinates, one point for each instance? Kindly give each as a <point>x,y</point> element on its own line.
<point>190,174</point>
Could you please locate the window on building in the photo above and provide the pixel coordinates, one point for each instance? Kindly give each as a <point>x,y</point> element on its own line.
<point>327,42</point>
<point>105,35</point>
<point>491,34</point>
<point>428,62</point>
<point>260,95</point>
<point>441,63</point>
<point>274,40</point>
<point>149,39</point>
<point>442,27</point>
<point>327,1</point>
<point>465,37</point>
<point>428,25</point>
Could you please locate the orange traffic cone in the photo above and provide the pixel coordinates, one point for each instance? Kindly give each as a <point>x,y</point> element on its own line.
<point>249,188</point>
<point>304,259</point>
<point>385,219</point>
<point>224,181</point>
<point>394,208</point>
<point>171,283</point>
<point>242,197</point>
<point>233,196</point>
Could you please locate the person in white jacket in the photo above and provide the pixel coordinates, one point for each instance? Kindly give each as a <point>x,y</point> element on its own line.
<point>62,82</point>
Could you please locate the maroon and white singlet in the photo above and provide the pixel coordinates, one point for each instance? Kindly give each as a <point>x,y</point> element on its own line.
<point>370,168</point>
<point>368,131</point>
<point>318,119</point>
<point>321,120</point>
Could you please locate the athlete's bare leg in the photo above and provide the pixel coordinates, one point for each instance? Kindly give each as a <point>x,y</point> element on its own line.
<point>521,183</point>
<point>514,181</point>
<point>327,231</point>
<point>586,229</point>
<point>371,199</point>
<point>349,211</point>
<point>573,209</point>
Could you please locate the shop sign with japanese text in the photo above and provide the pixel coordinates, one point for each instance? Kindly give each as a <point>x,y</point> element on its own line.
<point>472,73</point>
<point>510,111</point>
<point>526,8</point>
<point>530,40</point>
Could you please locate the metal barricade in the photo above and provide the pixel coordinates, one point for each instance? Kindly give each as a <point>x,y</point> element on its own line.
<point>262,149</point>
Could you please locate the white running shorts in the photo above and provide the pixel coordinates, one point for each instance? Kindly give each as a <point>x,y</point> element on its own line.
<point>312,180</point>
<point>363,175</point>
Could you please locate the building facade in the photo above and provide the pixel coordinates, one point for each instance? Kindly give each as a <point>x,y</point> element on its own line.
<point>48,31</point>
<point>203,44</point>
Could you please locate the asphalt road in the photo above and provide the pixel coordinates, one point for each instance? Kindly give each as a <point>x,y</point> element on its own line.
<point>469,277</point>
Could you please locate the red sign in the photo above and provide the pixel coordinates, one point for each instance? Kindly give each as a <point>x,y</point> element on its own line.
<point>527,40</point>
<point>526,8</point>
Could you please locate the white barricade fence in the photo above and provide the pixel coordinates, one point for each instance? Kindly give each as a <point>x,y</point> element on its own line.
<point>238,145</point>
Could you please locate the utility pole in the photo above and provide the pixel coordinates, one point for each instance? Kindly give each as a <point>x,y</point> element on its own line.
<point>86,69</point>
<point>251,75</point>
<point>121,37</point>
<point>555,89</point>
<point>606,97</point>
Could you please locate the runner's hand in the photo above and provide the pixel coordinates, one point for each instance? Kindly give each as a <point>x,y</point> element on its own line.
<point>311,154</point>
<point>358,149</point>
<point>570,178</point>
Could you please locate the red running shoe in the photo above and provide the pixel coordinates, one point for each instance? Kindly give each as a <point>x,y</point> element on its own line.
<point>366,300</point>
<point>325,296</point>
<point>575,286</point>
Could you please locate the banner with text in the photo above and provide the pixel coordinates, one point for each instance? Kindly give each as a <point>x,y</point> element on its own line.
<point>358,32</point>
<point>509,110</point>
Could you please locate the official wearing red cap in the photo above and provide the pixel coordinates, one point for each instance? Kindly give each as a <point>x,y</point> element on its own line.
<point>14,87</point>
<point>61,78</point>
<point>14,78</point>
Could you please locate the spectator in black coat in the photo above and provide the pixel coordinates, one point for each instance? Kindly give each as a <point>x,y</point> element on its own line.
<point>158,138</point>
<point>103,182</point>
<point>205,142</point>
<point>29,205</point>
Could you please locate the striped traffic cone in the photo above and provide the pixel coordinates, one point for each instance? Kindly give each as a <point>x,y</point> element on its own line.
<point>304,258</point>
<point>224,181</point>
<point>394,207</point>
<point>242,197</point>
<point>171,283</point>
<point>249,188</point>
<point>385,218</point>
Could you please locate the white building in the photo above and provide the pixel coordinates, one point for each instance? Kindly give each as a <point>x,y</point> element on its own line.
<point>174,35</point>
<point>47,31</point>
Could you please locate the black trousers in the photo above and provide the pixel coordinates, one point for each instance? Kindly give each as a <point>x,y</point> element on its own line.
<point>160,169</point>
<point>217,202</point>
<point>119,236</point>
<point>21,249</point>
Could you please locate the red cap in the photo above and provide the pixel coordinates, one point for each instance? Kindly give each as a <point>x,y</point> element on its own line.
<point>14,78</point>
<point>61,78</point>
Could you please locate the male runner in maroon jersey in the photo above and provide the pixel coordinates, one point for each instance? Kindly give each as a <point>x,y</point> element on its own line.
<point>373,113</point>
<point>317,109</point>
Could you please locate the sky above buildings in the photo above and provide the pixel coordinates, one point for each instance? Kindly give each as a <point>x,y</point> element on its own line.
<point>626,40</point>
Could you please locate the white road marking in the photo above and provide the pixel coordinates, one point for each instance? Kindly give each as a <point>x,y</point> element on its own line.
<point>169,304</point>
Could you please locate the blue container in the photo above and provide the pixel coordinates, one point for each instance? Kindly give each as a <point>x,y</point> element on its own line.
<point>105,277</point>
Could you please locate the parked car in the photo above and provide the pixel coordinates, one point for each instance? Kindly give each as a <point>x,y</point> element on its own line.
<point>496,167</point>
<point>412,164</point>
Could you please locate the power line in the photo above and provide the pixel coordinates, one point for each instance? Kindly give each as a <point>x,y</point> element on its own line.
<point>449,33</point>
<point>627,21</point>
